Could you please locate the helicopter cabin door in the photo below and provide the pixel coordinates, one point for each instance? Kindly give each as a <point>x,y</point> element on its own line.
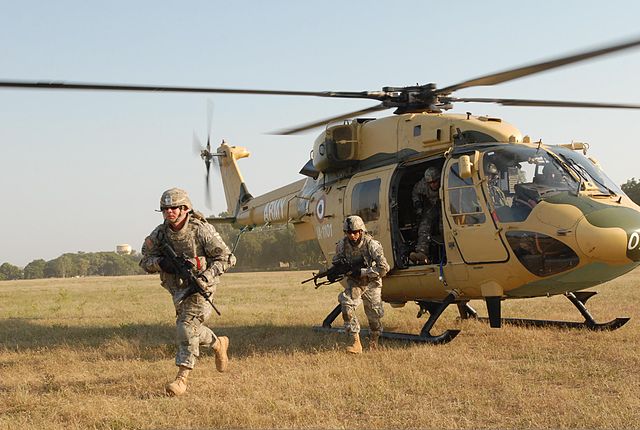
<point>367,195</point>
<point>469,219</point>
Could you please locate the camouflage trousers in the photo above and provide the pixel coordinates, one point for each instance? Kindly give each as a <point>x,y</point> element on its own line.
<point>352,297</point>
<point>191,333</point>
<point>426,228</point>
<point>424,234</point>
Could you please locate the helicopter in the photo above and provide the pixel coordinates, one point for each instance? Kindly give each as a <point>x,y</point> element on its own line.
<point>559,226</point>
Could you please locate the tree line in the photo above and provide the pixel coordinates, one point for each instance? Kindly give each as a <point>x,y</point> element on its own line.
<point>71,265</point>
<point>258,250</point>
<point>271,249</point>
<point>632,189</point>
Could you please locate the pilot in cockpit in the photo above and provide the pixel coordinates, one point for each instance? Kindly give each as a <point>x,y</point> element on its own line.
<point>493,182</point>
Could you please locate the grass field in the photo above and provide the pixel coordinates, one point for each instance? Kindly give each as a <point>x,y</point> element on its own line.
<point>96,353</point>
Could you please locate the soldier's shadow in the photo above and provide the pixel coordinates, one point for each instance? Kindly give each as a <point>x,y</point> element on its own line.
<point>147,341</point>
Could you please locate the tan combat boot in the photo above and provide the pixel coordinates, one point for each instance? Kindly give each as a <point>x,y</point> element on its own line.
<point>179,386</point>
<point>373,340</point>
<point>356,346</point>
<point>220,349</point>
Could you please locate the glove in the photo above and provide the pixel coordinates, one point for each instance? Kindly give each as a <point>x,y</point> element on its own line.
<point>167,265</point>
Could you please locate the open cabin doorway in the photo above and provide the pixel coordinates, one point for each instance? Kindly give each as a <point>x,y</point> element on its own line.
<point>405,219</point>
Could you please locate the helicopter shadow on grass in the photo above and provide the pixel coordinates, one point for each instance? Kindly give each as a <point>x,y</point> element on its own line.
<point>148,341</point>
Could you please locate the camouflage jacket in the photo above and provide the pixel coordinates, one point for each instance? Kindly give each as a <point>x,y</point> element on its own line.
<point>497,196</point>
<point>376,265</point>
<point>199,241</point>
<point>423,196</point>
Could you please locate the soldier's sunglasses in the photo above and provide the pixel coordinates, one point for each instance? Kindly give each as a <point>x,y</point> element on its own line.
<point>171,207</point>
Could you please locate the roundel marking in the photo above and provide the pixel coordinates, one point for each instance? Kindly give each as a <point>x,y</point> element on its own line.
<point>320,208</point>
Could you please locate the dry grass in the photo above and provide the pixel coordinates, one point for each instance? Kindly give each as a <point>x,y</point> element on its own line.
<point>96,353</point>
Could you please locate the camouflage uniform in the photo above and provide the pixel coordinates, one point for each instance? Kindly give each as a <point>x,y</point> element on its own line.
<point>365,286</point>
<point>208,252</point>
<point>427,204</point>
<point>497,195</point>
<point>493,182</point>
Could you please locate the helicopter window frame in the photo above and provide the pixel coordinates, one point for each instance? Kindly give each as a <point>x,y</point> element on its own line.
<point>365,199</point>
<point>463,199</point>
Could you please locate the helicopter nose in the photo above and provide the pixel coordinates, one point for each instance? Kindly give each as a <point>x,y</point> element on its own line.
<point>611,235</point>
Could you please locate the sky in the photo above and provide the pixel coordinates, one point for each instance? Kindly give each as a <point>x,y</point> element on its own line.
<point>84,171</point>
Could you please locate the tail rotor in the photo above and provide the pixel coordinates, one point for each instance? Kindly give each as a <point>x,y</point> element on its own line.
<point>204,151</point>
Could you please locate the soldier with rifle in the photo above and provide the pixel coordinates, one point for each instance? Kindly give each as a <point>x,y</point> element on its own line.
<point>190,256</point>
<point>367,266</point>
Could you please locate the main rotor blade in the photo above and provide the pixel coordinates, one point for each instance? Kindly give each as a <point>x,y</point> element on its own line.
<point>508,75</point>
<point>322,122</point>
<point>543,103</point>
<point>57,85</point>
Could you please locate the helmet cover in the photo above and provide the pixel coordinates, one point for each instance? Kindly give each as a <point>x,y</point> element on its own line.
<point>175,197</point>
<point>354,223</point>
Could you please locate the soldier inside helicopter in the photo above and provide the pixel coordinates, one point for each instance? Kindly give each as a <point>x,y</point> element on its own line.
<point>419,214</point>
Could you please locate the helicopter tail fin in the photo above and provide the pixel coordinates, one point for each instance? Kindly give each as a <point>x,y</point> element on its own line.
<point>235,190</point>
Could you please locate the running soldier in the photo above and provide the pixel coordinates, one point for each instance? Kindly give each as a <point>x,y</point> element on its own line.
<point>189,234</point>
<point>363,286</point>
<point>426,202</point>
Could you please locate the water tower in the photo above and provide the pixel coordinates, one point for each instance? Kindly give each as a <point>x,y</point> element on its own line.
<point>123,249</point>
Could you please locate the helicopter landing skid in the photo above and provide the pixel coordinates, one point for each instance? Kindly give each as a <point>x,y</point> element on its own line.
<point>578,299</point>
<point>435,309</point>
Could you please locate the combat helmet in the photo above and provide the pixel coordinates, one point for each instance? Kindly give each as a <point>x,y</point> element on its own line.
<point>432,174</point>
<point>354,223</point>
<point>175,197</point>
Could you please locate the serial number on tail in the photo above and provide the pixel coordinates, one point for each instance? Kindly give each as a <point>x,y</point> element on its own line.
<point>324,231</point>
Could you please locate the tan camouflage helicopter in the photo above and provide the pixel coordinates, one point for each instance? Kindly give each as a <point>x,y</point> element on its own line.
<point>518,219</point>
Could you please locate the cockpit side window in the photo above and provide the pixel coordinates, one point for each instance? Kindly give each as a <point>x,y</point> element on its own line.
<point>518,177</point>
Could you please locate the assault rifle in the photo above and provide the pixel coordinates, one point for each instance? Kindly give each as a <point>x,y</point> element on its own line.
<point>341,268</point>
<point>184,271</point>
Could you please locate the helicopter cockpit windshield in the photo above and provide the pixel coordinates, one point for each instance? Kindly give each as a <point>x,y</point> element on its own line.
<point>519,177</point>
<point>591,174</point>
